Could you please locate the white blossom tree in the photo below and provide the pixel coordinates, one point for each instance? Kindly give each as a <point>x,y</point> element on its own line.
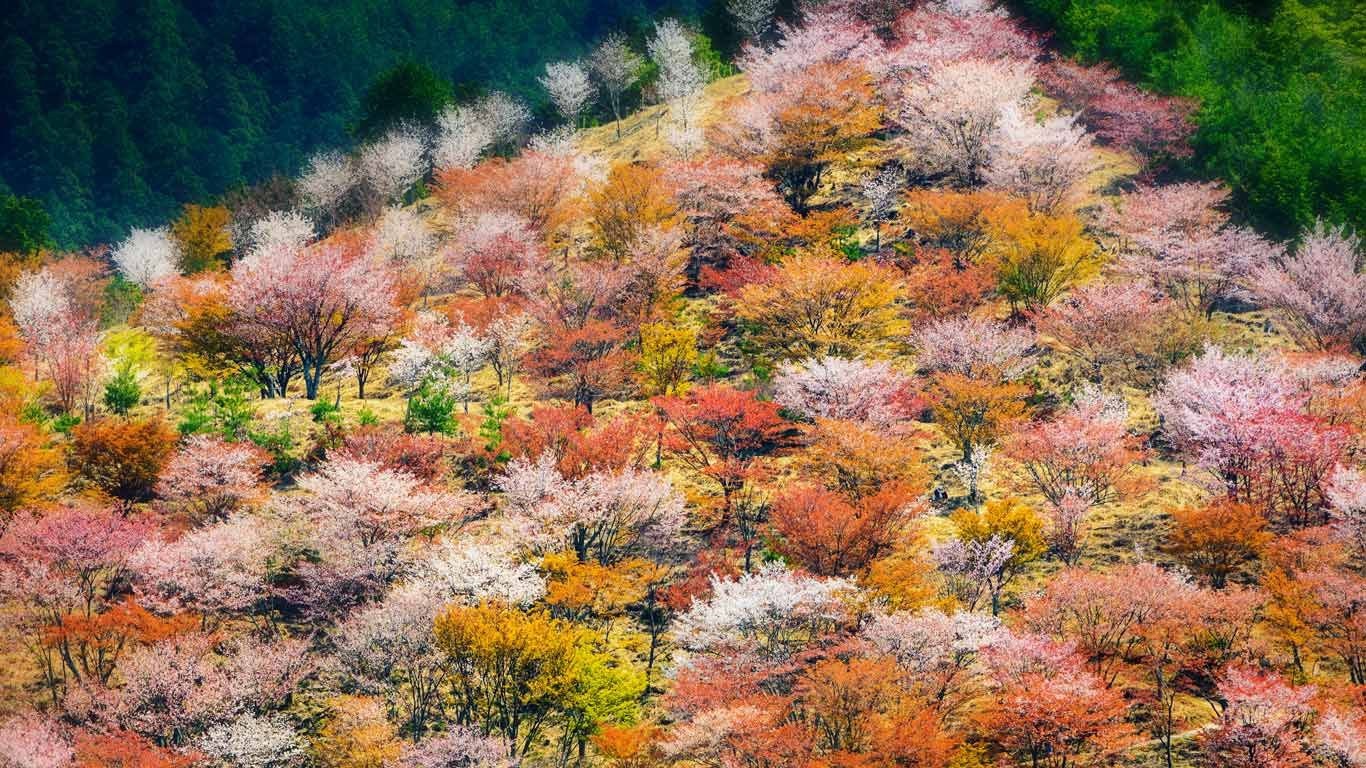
<point>835,388</point>
<point>1042,161</point>
<point>252,741</point>
<point>973,346</point>
<point>881,192</point>
<point>463,134</point>
<point>325,183</point>
<point>392,164</point>
<point>771,612</point>
<point>680,79</point>
<point>569,88</point>
<point>616,68</point>
<point>951,115</point>
<point>146,256</point>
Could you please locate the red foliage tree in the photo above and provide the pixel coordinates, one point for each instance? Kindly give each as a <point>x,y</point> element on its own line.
<point>831,535</point>
<point>717,431</point>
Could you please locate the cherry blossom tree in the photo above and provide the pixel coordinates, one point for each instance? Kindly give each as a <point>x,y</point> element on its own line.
<point>973,346</point>
<point>835,388</point>
<point>953,114</point>
<point>1104,325</point>
<point>320,300</point>
<point>605,516</point>
<point>40,303</point>
<point>251,741</point>
<point>771,612</point>
<point>497,253</point>
<point>213,477</point>
<point>680,79</point>
<point>327,180</point>
<point>472,573</point>
<point>279,232</point>
<point>457,747</point>
<point>33,741</point>
<point>392,164</point>
<point>390,648</point>
<point>146,256</point>
<point>976,570</point>
<point>463,134</point>
<point>881,193</point>
<point>1263,721</point>
<point>1086,452</point>
<point>216,570</point>
<point>936,650</point>
<point>570,91</point>
<point>173,690</point>
<point>1347,494</point>
<point>616,68</point>
<point>1042,161</point>
<point>1320,289</point>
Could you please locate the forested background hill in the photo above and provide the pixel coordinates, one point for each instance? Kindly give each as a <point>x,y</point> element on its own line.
<point>113,112</point>
<point>1281,86</point>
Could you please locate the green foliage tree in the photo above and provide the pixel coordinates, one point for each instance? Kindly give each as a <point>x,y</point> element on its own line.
<point>409,92</point>
<point>24,225</point>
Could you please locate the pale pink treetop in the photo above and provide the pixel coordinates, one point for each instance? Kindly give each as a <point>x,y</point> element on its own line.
<point>603,515</point>
<point>973,346</point>
<point>1043,161</point>
<point>392,164</point>
<point>772,612</point>
<point>218,569</point>
<point>34,741</point>
<point>1320,289</point>
<point>951,116</point>
<point>321,300</point>
<point>40,302</point>
<point>213,476</point>
<point>835,388</point>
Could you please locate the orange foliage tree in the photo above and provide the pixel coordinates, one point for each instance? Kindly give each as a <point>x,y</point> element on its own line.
<point>122,458</point>
<point>1216,539</point>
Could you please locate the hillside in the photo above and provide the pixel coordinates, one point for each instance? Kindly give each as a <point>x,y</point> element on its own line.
<point>894,402</point>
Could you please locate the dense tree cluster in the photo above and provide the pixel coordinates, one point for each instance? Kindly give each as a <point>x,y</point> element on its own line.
<point>864,428</point>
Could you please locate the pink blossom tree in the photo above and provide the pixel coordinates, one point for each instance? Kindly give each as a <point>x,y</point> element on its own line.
<point>973,346</point>
<point>457,747</point>
<point>1319,289</point>
<point>772,613</point>
<point>835,388</point>
<point>215,571</point>
<point>1085,452</point>
<point>320,301</point>
<point>604,516</point>
<point>1263,724</point>
<point>212,477</point>
<point>1178,238</point>
<point>33,741</point>
<point>952,115</point>
<point>1104,325</point>
<point>1042,161</point>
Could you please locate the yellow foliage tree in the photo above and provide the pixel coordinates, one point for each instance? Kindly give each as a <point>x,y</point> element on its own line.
<point>667,353</point>
<point>1010,518</point>
<point>357,735</point>
<point>202,232</point>
<point>817,305</point>
<point>1038,256</point>
<point>512,673</point>
<point>975,412</point>
<point>622,207</point>
<point>31,471</point>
